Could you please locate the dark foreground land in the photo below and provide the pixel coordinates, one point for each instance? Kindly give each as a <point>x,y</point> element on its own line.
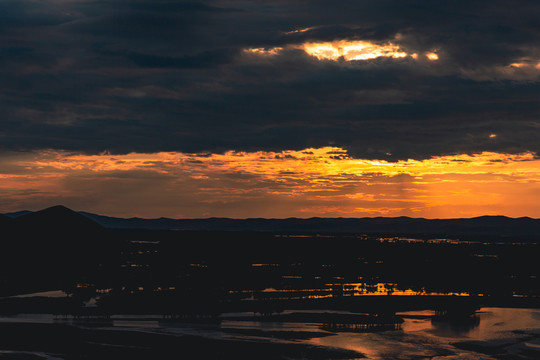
<point>201,276</point>
<point>69,342</point>
<point>492,333</point>
<point>206,273</point>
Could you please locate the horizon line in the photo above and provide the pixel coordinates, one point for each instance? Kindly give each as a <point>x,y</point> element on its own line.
<point>264,218</point>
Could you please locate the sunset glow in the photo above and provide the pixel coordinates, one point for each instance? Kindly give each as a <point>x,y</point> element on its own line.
<point>432,56</point>
<point>146,109</point>
<point>298,31</point>
<point>349,50</point>
<point>164,162</point>
<point>352,50</point>
<point>311,182</point>
<point>264,51</point>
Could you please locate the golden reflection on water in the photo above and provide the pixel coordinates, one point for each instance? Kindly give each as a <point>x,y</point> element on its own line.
<point>357,289</point>
<point>341,289</point>
<point>506,330</point>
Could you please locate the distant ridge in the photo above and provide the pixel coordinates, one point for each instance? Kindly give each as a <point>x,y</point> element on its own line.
<point>60,217</point>
<point>497,226</point>
<point>17,213</point>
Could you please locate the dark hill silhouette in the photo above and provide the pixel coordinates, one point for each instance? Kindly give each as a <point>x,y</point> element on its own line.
<point>48,249</point>
<point>57,219</point>
<point>5,221</point>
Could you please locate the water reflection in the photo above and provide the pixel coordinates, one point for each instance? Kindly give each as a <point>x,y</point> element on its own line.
<point>424,334</point>
<point>340,289</point>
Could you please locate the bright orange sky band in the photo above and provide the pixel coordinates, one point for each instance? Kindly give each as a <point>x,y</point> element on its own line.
<point>323,182</point>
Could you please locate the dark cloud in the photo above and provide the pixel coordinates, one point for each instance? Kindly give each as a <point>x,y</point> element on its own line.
<point>124,76</point>
<point>204,60</point>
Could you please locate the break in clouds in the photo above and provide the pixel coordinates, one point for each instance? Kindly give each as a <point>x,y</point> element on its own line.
<point>419,78</point>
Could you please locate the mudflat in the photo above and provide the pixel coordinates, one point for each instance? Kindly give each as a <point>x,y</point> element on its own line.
<point>70,342</point>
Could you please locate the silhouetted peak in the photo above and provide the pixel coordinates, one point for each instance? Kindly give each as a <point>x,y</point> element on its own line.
<point>57,209</point>
<point>58,218</point>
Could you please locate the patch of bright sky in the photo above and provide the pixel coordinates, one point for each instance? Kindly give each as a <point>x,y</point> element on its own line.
<point>312,182</point>
<point>349,50</point>
<point>352,50</point>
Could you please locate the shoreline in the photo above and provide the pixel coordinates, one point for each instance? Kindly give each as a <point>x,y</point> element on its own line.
<point>140,337</point>
<point>72,342</point>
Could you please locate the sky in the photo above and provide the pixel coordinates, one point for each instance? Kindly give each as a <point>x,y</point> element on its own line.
<point>159,108</point>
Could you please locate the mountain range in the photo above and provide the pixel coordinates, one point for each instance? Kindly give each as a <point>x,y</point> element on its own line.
<point>483,226</point>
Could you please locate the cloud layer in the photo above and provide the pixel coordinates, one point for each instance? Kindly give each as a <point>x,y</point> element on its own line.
<point>312,182</point>
<point>152,76</point>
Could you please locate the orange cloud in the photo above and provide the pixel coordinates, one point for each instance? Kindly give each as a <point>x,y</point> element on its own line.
<point>348,50</point>
<point>432,56</point>
<point>312,182</point>
<point>352,50</point>
<point>264,51</point>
